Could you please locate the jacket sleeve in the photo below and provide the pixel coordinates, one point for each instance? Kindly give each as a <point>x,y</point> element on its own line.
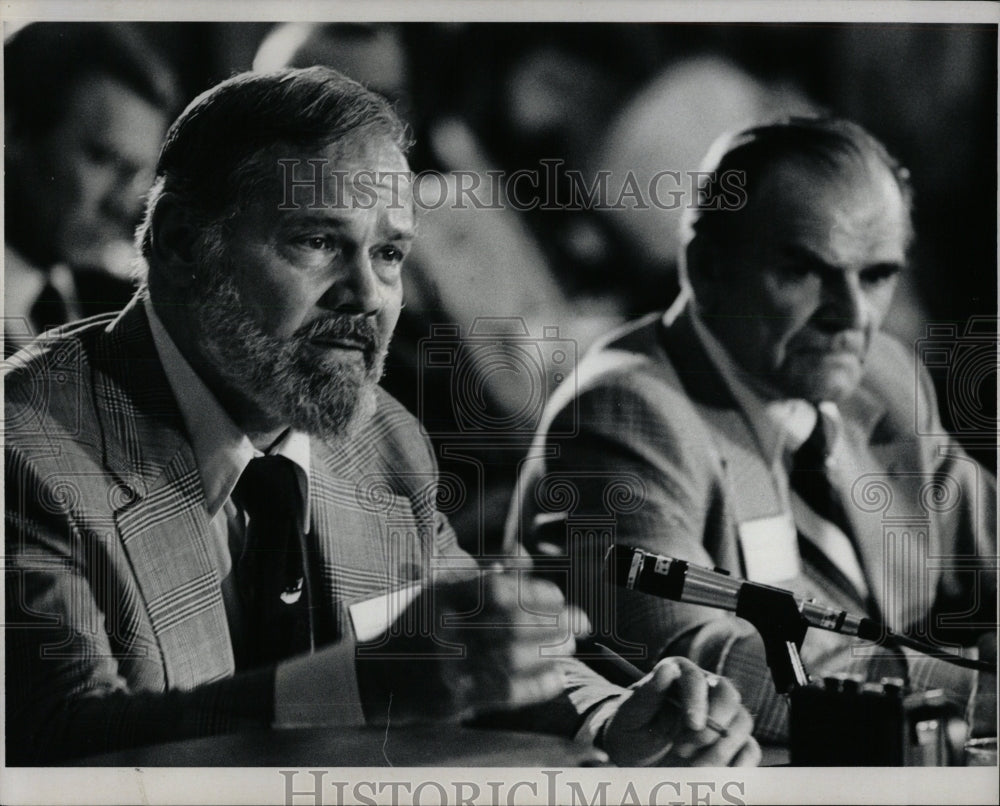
<point>965,500</point>
<point>67,693</point>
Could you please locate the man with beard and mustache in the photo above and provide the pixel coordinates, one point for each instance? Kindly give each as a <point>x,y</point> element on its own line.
<point>217,521</point>
<point>766,427</point>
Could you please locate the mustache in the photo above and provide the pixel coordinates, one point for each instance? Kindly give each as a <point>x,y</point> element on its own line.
<point>359,328</point>
<point>850,341</point>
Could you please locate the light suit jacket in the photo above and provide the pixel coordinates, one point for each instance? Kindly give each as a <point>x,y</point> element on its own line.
<point>645,446</point>
<point>116,629</point>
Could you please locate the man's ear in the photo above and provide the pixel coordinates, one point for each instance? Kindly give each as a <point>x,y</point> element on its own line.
<point>173,240</point>
<point>703,272</point>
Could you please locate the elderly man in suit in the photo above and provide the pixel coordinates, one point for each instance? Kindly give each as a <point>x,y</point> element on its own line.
<point>216,520</point>
<point>765,426</point>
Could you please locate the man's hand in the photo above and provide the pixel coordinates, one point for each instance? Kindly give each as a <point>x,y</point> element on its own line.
<point>664,721</point>
<point>466,648</point>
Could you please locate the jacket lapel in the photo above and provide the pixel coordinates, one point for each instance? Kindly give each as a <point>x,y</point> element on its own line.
<point>887,508</point>
<point>365,532</point>
<point>160,512</point>
<point>751,486</point>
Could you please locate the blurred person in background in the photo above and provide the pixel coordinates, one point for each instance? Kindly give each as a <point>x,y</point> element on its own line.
<point>86,106</point>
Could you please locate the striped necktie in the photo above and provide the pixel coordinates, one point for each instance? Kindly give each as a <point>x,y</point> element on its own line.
<point>826,536</point>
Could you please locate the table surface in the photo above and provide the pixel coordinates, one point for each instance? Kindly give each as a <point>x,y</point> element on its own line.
<point>410,746</point>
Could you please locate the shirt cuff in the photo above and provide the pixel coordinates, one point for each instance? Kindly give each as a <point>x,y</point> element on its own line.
<point>318,689</point>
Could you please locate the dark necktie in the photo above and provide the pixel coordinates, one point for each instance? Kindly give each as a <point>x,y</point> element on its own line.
<point>49,309</point>
<point>270,574</point>
<point>810,479</point>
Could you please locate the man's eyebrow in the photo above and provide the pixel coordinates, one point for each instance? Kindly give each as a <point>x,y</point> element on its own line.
<point>884,267</point>
<point>804,254</point>
<point>300,219</point>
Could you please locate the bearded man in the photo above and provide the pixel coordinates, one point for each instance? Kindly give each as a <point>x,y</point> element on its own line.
<point>216,520</point>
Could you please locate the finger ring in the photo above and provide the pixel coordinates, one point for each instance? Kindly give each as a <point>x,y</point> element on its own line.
<point>711,680</point>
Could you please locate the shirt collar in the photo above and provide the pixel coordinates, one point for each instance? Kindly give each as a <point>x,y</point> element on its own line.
<point>24,281</point>
<point>779,426</point>
<point>221,449</point>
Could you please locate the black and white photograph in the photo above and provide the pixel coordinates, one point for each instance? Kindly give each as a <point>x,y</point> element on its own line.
<point>500,403</point>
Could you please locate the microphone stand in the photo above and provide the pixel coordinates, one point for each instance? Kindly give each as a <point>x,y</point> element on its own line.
<point>775,614</point>
<point>841,721</point>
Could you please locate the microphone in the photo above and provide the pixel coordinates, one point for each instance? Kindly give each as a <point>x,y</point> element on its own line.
<point>678,580</point>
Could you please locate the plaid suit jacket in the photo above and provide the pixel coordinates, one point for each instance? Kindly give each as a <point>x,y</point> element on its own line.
<point>645,446</point>
<point>116,630</point>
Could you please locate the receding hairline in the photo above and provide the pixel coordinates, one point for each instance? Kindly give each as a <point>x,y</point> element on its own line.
<point>833,150</point>
<point>867,173</point>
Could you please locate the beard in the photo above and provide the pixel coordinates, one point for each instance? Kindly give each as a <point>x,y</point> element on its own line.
<point>321,392</point>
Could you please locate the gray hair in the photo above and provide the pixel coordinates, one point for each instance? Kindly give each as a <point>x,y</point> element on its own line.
<point>222,149</point>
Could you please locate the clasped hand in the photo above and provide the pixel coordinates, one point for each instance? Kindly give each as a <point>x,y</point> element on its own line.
<point>497,641</point>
